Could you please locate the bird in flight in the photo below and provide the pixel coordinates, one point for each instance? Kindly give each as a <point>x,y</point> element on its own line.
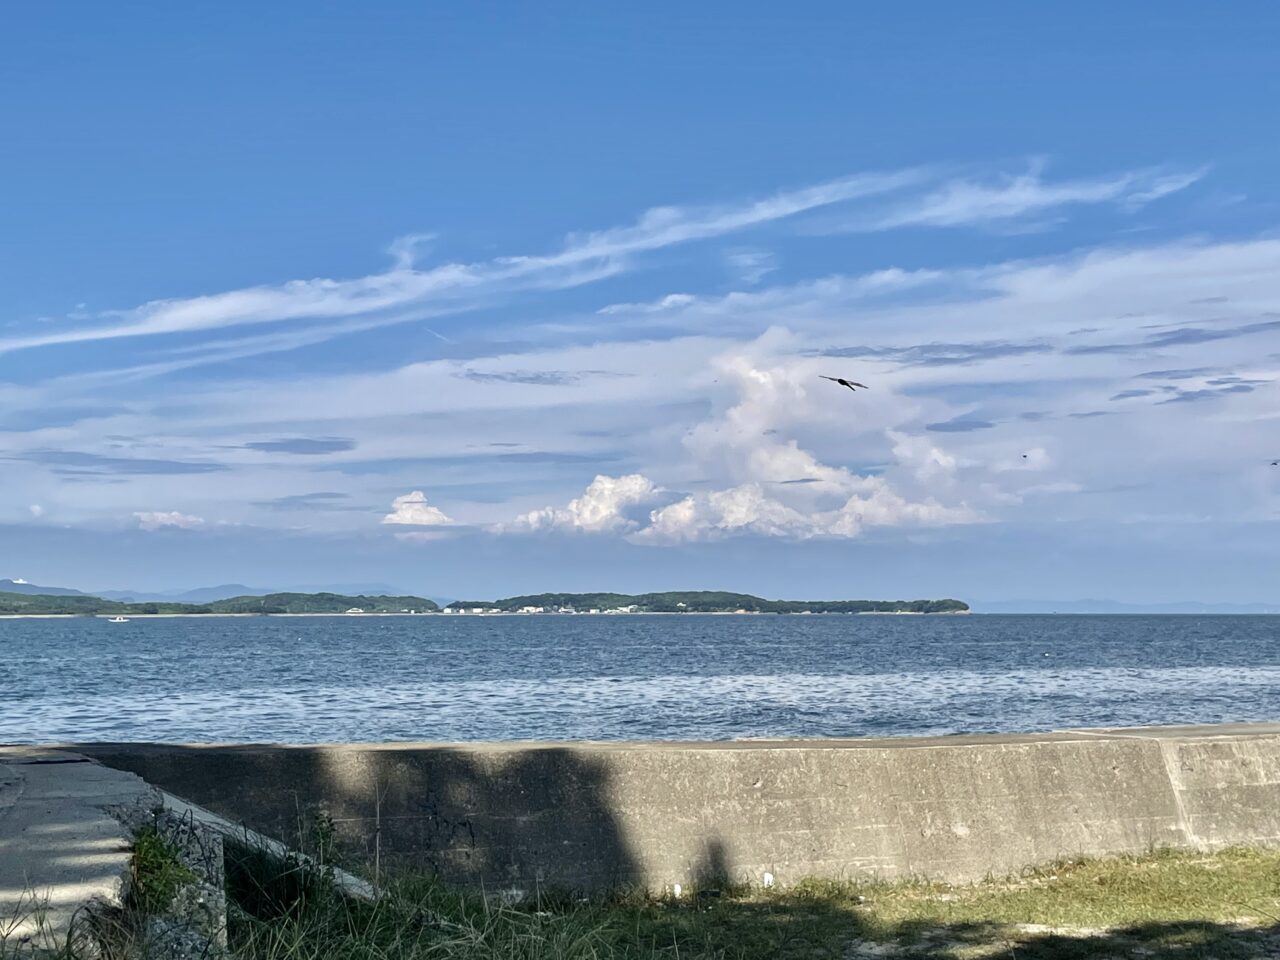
<point>851,384</point>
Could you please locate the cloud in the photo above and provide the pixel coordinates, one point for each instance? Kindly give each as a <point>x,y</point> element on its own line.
<point>602,507</point>
<point>959,425</point>
<point>672,301</point>
<point>322,308</point>
<point>749,267</point>
<point>968,202</point>
<point>928,463</point>
<point>744,441</point>
<point>746,509</point>
<point>542,378</point>
<point>966,362</point>
<point>306,501</point>
<point>404,250</point>
<point>305,446</point>
<point>160,520</point>
<point>1196,396</point>
<point>1187,374</point>
<point>942,354</point>
<point>455,287</point>
<point>96,463</point>
<point>1182,336</point>
<point>32,420</point>
<point>1035,458</point>
<point>412,509</point>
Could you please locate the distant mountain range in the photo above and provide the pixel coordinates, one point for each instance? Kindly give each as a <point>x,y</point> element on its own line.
<point>22,586</point>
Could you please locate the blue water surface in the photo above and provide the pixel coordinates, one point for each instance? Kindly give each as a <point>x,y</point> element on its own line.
<point>317,679</point>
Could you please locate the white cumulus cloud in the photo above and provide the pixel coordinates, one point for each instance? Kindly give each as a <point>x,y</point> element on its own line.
<point>413,510</point>
<point>747,509</point>
<point>602,508</point>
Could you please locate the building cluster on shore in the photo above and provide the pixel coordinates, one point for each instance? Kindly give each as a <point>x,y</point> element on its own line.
<point>481,611</point>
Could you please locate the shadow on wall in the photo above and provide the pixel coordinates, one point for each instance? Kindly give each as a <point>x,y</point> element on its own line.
<point>504,819</point>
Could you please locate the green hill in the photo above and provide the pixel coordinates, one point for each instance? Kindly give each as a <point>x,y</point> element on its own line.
<point>319,603</point>
<point>708,601</point>
<point>696,601</point>
<point>33,604</point>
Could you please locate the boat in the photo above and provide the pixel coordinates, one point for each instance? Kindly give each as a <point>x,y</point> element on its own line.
<point>118,620</point>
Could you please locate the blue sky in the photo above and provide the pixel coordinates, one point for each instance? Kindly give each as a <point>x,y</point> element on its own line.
<point>497,299</point>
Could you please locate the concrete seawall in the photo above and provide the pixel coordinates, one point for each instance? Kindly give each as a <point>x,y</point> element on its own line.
<point>590,816</point>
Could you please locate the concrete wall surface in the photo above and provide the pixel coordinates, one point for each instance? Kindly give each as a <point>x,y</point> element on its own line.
<point>594,815</point>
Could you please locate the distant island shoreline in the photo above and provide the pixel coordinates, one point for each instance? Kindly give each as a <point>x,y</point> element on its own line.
<point>705,602</point>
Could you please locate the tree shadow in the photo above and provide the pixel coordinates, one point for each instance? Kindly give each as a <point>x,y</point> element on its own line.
<point>509,820</point>
<point>533,820</point>
<point>1170,940</point>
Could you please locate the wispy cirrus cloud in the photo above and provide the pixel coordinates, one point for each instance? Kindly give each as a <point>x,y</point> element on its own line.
<point>322,308</point>
<point>584,257</point>
<point>1006,198</point>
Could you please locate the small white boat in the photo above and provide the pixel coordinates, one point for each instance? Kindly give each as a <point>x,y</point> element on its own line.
<point>118,620</point>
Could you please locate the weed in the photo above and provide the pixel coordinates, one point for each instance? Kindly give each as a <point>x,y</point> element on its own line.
<point>157,873</point>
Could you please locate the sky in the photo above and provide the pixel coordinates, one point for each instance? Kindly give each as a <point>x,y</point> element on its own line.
<point>485,299</point>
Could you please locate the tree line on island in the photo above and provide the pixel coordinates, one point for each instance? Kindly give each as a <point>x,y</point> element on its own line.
<point>699,601</point>
<point>41,604</point>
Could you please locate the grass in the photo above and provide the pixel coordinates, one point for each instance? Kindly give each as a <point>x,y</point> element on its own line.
<point>1166,904</point>
<point>158,873</point>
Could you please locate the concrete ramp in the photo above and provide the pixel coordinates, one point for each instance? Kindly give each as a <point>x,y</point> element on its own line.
<point>68,827</point>
<point>61,846</point>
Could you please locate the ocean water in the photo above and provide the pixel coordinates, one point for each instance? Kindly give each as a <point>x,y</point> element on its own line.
<point>321,679</point>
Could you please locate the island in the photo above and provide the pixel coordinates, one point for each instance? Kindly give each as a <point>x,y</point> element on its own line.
<point>695,601</point>
<point>326,604</point>
<point>31,605</point>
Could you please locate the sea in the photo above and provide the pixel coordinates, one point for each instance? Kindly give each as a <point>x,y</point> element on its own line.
<point>638,677</point>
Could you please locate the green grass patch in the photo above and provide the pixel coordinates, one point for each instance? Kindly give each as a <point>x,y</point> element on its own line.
<point>1180,905</point>
<point>158,873</point>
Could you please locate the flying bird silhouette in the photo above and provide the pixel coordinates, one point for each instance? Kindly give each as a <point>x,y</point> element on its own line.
<point>851,384</point>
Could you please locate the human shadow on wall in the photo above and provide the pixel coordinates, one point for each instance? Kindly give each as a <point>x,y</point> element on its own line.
<point>711,875</point>
<point>507,819</point>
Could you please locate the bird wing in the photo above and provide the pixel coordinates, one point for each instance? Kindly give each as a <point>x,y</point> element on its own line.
<point>825,377</point>
<point>857,384</point>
